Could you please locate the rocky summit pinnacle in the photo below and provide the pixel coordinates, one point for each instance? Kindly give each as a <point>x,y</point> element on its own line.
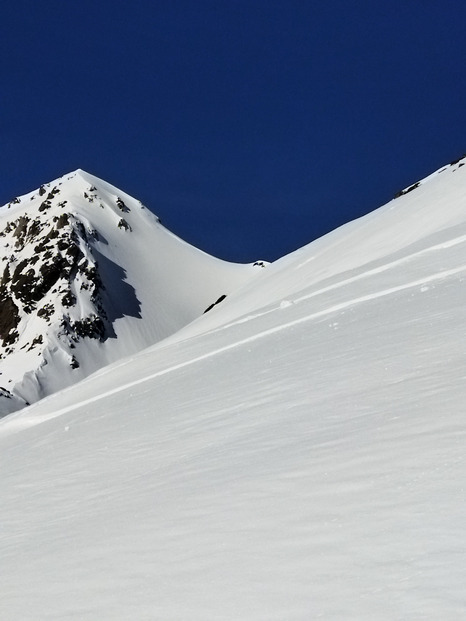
<point>88,275</point>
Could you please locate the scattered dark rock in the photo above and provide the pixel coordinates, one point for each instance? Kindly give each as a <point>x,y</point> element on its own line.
<point>122,224</point>
<point>5,393</point>
<point>34,229</point>
<point>45,205</point>
<point>92,274</point>
<point>121,205</point>
<point>220,299</point>
<point>46,311</point>
<point>458,160</point>
<point>24,284</point>
<point>37,341</point>
<point>63,243</point>
<point>21,227</point>
<point>52,234</point>
<point>6,276</point>
<point>92,327</point>
<point>9,318</point>
<point>68,299</point>
<point>410,189</point>
<point>62,221</point>
<point>19,268</point>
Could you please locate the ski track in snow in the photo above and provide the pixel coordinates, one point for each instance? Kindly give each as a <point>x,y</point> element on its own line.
<point>13,423</point>
<point>386,267</point>
<point>366,274</point>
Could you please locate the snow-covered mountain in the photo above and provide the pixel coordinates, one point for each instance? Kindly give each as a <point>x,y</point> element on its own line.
<point>88,275</point>
<point>297,453</point>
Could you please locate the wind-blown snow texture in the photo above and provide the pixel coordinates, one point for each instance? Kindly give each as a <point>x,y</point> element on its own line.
<point>88,275</point>
<point>297,453</point>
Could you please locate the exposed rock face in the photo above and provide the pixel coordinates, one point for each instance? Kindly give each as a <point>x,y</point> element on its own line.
<point>50,280</point>
<point>9,318</point>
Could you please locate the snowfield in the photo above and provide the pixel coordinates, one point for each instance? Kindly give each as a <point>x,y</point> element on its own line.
<point>296,453</point>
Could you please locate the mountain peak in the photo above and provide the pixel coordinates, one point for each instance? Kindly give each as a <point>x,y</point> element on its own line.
<point>88,276</point>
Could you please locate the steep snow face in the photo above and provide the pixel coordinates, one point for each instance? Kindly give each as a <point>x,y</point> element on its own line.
<point>89,275</point>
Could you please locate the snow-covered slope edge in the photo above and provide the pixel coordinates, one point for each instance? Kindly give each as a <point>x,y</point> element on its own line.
<point>418,220</point>
<point>297,460</point>
<point>89,275</point>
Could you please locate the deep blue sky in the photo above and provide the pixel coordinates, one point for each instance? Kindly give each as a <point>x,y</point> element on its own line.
<point>250,127</point>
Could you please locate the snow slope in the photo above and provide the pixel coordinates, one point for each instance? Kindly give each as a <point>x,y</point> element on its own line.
<point>297,453</point>
<point>88,276</point>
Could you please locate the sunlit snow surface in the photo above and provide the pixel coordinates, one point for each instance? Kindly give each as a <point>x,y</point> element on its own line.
<point>298,453</point>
